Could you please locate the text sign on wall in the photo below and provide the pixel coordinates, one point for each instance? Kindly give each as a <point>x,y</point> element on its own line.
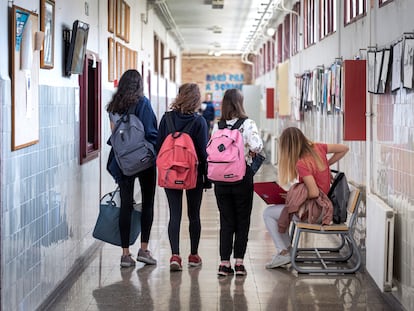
<point>222,82</point>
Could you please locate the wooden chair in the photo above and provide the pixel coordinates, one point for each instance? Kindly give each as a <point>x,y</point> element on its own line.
<point>334,259</point>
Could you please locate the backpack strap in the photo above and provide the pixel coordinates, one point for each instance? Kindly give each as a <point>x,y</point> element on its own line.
<point>170,123</point>
<point>222,124</point>
<point>132,108</point>
<point>238,123</point>
<point>171,127</point>
<point>125,116</point>
<point>189,125</point>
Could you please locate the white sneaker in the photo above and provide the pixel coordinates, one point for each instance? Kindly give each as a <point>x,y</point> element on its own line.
<point>278,260</point>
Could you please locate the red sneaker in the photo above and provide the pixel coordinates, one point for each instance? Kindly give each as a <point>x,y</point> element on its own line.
<point>194,260</point>
<point>175,263</point>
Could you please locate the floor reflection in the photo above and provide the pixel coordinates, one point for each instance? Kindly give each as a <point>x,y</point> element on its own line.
<point>104,286</point>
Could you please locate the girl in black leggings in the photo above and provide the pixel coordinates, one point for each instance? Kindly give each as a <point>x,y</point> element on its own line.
<point>184,111</point>
<point>129,93</point>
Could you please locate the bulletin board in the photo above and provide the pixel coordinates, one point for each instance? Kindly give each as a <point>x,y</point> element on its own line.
<point>283,88</point>
<point>25,57</point>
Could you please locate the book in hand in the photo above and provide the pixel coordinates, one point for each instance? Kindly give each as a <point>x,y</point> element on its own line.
<point>270,192</point>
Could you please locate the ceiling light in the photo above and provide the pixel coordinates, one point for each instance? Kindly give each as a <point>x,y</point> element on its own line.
<point>270,31</point>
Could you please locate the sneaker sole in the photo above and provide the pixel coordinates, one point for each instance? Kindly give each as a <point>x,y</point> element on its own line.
<point>147,261</point>
<point>175,266</point>
<point>127,265</point>
<point>241,273</point>
<point>269,266</point>
<point>194,264</point>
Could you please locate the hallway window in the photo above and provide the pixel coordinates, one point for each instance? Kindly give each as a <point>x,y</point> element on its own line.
<point>327,16</point>
<point>295,28</point>
<point>279,43</point>
<point>268,56</point>
<point>172,58</point>
<point>309,22</point>
<point>162,71</point>
<point>90,109</point>
<point>156,54</point>
<point>286,43</point>
<point>354,9</point>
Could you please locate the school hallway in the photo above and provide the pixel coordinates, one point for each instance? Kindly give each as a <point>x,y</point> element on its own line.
<point>103,285</point>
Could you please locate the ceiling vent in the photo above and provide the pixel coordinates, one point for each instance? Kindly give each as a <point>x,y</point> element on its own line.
<point>217,4</point>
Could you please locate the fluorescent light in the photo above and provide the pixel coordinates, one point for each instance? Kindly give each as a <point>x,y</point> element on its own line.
<point>270,31</point>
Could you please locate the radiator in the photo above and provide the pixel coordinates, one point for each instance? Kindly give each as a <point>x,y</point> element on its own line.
<point>379,242</point>
<point>273,149</point>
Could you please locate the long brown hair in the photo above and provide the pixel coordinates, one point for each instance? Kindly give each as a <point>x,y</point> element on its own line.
<point>188,99</point>
<point>232,105</point>
<point>130,89</point>
<point>293,146</point>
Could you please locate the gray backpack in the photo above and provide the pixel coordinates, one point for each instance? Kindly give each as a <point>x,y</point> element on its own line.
<point>133,152</point>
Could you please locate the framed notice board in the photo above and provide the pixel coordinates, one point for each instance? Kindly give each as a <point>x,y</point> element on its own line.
<point>26,42</point>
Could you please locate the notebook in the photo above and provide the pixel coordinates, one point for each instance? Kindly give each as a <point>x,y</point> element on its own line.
<point>270,192</point>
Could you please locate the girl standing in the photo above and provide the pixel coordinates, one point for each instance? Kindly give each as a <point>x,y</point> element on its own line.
<point>129,93</point>
<point>184,111</point>
<point>235,200</point>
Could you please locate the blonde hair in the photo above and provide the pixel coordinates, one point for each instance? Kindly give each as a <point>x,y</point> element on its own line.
<point>293,146</point>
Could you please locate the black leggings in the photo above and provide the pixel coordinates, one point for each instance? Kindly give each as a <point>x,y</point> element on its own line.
<point>126,185</point>
<point>235,206</point>
<point>175,202</point>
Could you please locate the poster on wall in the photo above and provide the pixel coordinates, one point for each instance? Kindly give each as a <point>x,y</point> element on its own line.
<point>379,56</point>
<point>396,66</point>
<point>371,71</point>
<point>408,63</point>
<point>384,71</point>
<point>25,64</point>
<point>282,82</point>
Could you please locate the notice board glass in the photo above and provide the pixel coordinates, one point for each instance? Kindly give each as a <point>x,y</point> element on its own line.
<point>25,57</point>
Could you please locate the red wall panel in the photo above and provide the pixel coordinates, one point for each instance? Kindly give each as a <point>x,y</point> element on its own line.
<point>270,103</point>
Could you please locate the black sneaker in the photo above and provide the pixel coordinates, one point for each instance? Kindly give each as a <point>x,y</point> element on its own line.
<point>225,271</point>
<point>240,270</point>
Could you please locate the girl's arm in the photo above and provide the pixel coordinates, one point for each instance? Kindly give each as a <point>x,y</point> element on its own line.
<point>310,183</point>
<point>252,136</point>
<point>338,150</point>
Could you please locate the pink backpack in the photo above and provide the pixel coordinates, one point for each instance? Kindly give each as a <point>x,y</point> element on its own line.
<point>225,154</point>
<point>177,159</point>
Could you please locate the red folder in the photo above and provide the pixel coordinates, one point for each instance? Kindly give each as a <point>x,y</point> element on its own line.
<point>270,192</point>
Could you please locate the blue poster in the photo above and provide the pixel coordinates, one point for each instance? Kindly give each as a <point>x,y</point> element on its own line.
<point>21,19</point>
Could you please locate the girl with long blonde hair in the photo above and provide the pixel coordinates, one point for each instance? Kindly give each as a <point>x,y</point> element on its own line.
<point>307,162</point>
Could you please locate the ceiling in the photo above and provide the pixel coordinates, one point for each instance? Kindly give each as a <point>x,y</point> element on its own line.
<point>201,29</point>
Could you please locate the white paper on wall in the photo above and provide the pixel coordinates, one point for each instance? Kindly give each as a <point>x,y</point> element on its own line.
<point>384,71</point>
<point>408,63</point>
<point>27,47</point>
<point>396,66</point>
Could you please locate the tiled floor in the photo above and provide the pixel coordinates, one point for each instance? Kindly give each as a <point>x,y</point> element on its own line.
<point>105,286</point>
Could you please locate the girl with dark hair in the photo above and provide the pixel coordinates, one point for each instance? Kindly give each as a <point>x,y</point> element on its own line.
<point>128,95</point>
<point>305,160</point>
<point>235,201</point>
<point>184,110</point>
